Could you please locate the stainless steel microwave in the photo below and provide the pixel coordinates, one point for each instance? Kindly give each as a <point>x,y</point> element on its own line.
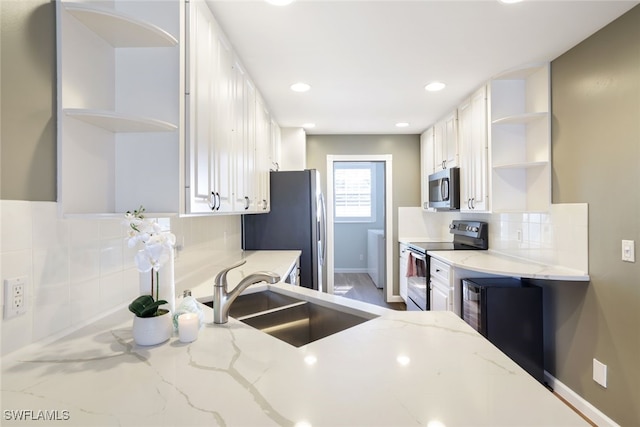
<point>444,189</point>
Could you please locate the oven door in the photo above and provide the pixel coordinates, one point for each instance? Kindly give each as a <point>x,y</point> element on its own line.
<point>417,277</point>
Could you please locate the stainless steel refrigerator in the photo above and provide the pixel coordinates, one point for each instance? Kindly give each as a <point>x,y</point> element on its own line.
<point>297,220</point>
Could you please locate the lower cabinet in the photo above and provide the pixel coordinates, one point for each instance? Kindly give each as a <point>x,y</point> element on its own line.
<point>441,289</point>
<point>293,275</point>
<point>402,268</point>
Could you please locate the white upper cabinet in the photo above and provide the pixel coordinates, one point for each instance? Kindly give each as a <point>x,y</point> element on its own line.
<point>154,109</point>
<point>520,135</point>
<point>446,142</point>
<point>119,107</point>
<point>224,123</point>
<point>245,142</point>
<point>264,140</point>
<point>426,164</point>
<point>473,139</point>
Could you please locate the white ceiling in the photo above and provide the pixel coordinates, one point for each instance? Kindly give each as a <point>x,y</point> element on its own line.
<point>368,61</point>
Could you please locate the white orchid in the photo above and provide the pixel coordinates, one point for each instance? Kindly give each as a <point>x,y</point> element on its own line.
<point>157,244</point>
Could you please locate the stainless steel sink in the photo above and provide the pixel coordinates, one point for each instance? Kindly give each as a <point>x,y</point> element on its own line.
<point>294,321</point>
<point>258,302</point>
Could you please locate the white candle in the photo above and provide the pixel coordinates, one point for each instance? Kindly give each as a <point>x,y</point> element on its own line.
<point>188,325</point>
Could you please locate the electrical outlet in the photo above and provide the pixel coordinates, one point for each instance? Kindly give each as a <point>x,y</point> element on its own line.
<point>15,300</point>
<point>628,251</point>
<point>600,373</point>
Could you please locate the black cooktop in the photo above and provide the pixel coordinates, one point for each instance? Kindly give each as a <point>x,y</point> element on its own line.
<point>439,246</point>
<point>467,235</point>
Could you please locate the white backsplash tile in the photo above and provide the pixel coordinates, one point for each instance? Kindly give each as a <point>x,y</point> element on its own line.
<point>84,261</point>
<point>84,300</point>
<point>111,256</point>
<point>78,269</point>
<point>559,237</point>
<point>15,226</point>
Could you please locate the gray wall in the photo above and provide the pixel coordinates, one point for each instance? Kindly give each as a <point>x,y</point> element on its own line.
<point>351,238</point>
<point>28,109</point>
<point>596,159</point>
<point>405,151</point>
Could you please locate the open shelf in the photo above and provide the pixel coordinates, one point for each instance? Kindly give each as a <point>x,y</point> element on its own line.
<point>118,29</point>
<point>523,165</point>
<point>116,122</point>
<point>520,118</point>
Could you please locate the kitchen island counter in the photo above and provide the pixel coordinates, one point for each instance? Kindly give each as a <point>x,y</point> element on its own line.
<point>398,369</point>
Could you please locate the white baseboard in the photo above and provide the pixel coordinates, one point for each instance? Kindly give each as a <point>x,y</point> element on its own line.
<point>395,298</point>
<point>578,402</point>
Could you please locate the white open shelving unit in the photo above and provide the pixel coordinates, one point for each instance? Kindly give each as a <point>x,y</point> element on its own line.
<point>520,138</point>
<point>120,107</point>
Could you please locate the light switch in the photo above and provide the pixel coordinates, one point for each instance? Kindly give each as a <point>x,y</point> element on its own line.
<point>628,251</point>
<point>600,373</point>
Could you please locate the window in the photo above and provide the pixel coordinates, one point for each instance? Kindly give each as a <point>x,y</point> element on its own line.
<point>354,192</point>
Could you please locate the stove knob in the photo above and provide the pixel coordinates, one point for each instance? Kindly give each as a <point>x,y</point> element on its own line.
<point>475,229</point>
<point>452,226</point>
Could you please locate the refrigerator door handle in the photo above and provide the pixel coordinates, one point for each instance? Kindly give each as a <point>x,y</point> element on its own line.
<point>323,229</point>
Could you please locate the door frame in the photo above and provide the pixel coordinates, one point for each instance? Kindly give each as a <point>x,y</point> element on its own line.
<point>387,159</point>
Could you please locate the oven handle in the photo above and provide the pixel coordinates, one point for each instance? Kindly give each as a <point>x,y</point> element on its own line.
<point>417,254</point>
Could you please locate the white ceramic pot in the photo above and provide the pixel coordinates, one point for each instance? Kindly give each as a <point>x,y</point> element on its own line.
<point>152,330</point>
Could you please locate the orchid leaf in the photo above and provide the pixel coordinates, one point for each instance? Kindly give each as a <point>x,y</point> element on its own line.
<point>145,306</point>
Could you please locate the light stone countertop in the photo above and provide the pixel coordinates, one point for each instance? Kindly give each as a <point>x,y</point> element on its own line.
<point>495,263</point>
<point>399,369</point>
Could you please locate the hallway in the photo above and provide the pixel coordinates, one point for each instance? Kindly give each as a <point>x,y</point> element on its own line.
<point>359,286</point>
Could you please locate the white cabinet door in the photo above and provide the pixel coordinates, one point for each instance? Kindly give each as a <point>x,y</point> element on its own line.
<point>245,142</point>
<point>201,109</point>
<point>402,268</point>
<point>210,114</point>
<point>224,126</point>
<point>440,298</point>
<point>426,164</point>
<point>446,142</point>
<point>472,124</point>
<point>263,158</point>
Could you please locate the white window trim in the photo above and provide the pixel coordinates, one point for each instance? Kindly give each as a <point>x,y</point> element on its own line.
<point>358,165</point>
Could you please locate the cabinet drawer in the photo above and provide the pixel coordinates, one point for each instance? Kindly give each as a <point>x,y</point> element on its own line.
<point>440,270</point>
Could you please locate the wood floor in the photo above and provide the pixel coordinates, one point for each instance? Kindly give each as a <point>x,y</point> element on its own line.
<point>359,286</point>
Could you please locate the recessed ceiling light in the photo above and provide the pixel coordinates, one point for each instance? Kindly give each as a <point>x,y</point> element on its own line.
<point>434,86</point>
<point>510,1</point>
<point>402,124</point>
<point>309,125</point>
<point>279,2</point>
<point>300,87</point>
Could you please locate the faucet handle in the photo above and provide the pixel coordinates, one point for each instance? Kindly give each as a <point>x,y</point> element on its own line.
<point>221,277</point>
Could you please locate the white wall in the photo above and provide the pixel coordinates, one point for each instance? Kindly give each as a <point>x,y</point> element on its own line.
<point>293,149</point>
<point>80,269</point>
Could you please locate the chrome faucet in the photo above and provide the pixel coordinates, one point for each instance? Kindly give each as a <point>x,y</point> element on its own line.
<point>222,299</point>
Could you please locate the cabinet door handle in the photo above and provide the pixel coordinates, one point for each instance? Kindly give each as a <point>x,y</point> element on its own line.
<point>247,202</point>
<point>473,203</point>
<point>212,201</point>
<point>264,204</point>
<point>217,201</point>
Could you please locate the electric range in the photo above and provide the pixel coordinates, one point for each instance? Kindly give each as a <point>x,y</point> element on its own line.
<point>467,235</point>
